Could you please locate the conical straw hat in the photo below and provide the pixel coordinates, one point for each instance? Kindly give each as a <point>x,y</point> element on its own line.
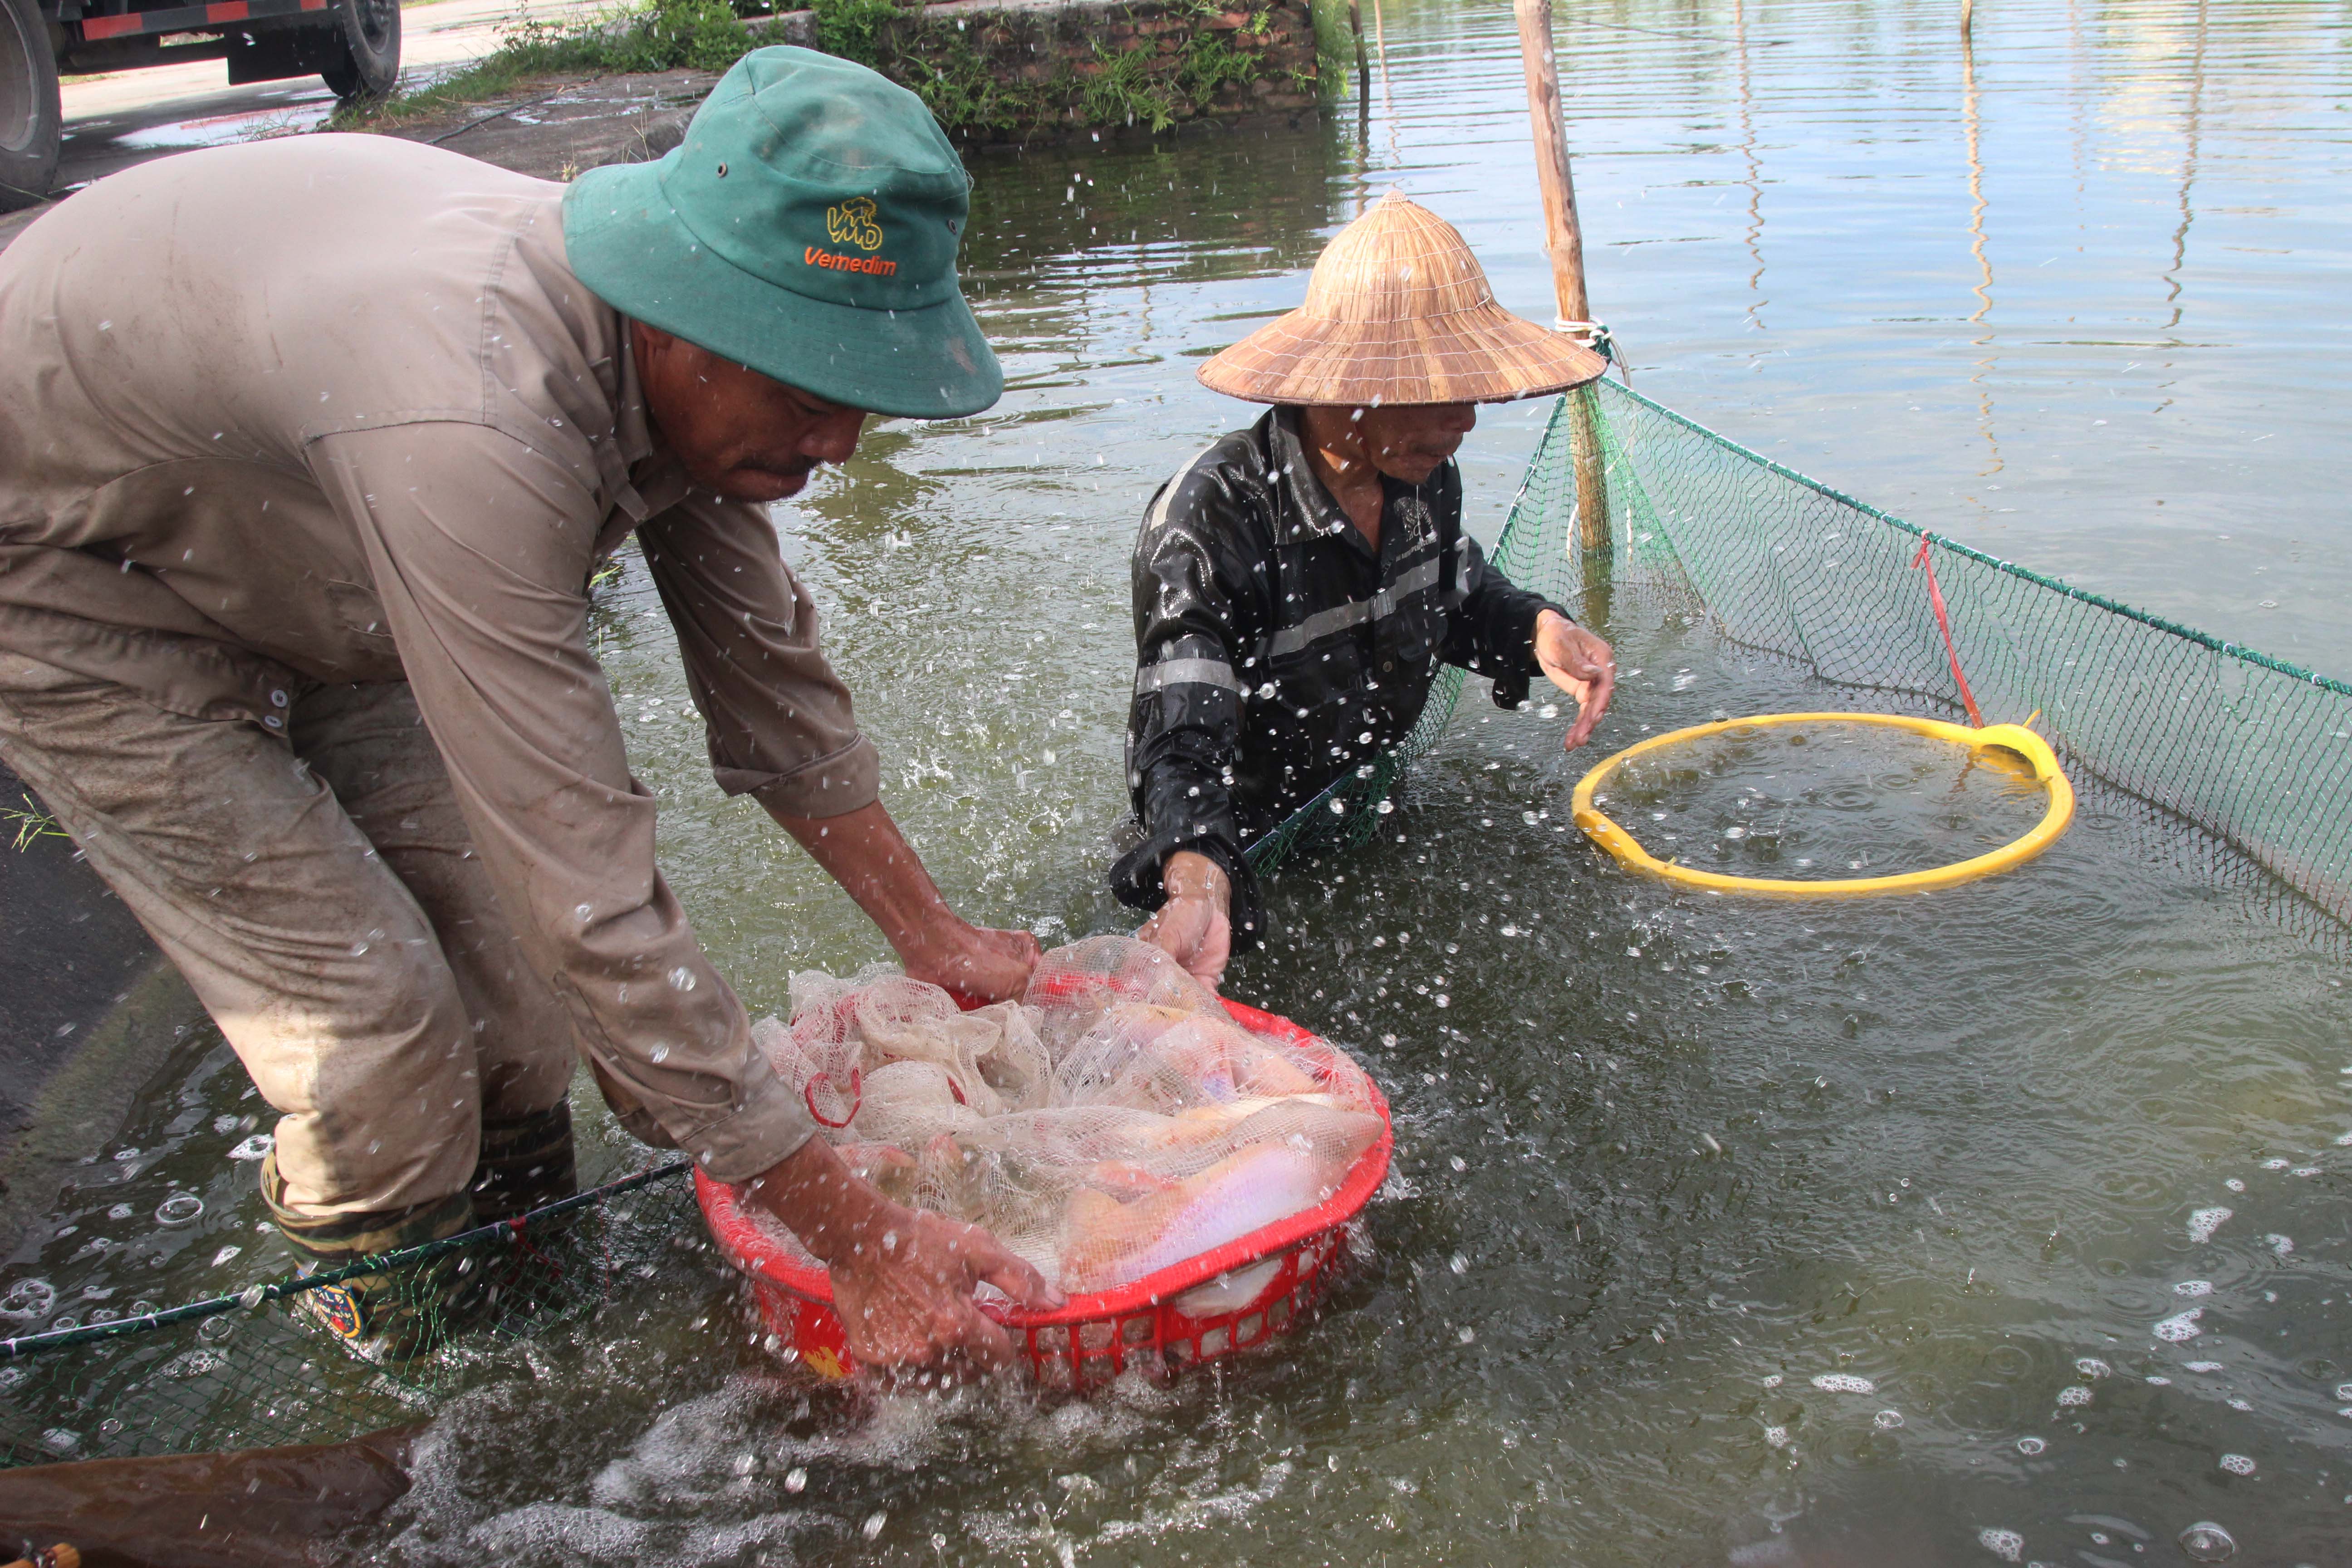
<point>1398,311</point>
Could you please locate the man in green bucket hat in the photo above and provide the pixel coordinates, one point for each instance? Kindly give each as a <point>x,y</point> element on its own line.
<point>309,451</point>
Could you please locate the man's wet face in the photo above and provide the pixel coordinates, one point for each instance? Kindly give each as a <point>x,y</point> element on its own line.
<point>1409,442</point>
<point>735,431</point>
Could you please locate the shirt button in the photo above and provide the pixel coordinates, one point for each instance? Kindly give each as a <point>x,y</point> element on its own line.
<point>273,721</point>
<point>278,699</point>
<point>1387,664</point>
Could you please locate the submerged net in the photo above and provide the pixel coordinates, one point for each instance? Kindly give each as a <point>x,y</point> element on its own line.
<point>258,1370</point>
<point>1116,1123</point>
<point>2181,730</point>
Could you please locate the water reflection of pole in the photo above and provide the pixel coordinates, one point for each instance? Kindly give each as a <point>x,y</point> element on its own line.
<point>2187,171</point>
<point>1388,101</point>
<point>1363,75</point>
<point>1977,245</point>
<point>1755,186</point>
<point>1564,240</point>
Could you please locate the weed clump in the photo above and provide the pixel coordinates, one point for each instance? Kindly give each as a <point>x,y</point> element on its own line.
<point>974,93</point>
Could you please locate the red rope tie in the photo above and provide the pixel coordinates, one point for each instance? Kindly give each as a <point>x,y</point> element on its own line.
<point>856,1096</point>
<point>1944,624</point>
<point>523,1241</point>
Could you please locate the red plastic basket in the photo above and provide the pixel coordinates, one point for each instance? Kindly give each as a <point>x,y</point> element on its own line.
<point>1097,1336</point>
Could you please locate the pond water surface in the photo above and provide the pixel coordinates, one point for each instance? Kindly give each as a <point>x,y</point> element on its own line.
<point>1757,1234</point>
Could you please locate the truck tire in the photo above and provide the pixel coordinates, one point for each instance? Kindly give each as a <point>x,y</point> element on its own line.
<point>365,49</point>
<point>32,120</point>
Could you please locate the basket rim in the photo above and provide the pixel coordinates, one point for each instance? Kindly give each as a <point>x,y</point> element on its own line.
<point>741,1243</point>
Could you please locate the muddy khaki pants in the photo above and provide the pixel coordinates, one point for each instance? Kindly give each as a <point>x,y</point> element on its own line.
<point>326,905</point>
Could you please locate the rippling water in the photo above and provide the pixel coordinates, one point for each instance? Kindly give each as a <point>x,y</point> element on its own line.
<point>1788,1233</point>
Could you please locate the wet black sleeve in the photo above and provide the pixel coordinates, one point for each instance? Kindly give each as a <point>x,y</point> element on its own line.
<point>1194,628</point>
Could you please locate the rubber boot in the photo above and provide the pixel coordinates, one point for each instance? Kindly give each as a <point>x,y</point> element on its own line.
<point>526,1164</point>
<point>398,1315</point>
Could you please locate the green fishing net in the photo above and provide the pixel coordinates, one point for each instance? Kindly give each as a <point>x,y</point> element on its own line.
<point>2224,757</point>
<point>258,1369</point>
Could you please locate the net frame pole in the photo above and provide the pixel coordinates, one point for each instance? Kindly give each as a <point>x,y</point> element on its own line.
<point>1564,241</point>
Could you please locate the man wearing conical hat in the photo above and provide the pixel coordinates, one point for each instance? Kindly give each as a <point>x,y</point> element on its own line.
<point>309,451</point>
<point>1298,583</point>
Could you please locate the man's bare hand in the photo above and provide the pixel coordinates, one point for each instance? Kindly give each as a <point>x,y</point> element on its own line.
<point>902,1279</point>
<point>1194,926</point>
<point>905,1300</point>
<point>979,961</point>
<point>1580,664</point>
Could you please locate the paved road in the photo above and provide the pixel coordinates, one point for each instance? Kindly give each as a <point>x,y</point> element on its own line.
<point>113,121</point>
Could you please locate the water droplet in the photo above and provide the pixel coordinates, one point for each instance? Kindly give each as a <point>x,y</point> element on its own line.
<point>2180,1327</point>
<point>28,1300</point>
<point>253,1148</point>
<point>1458,1163</point>
<point>180,1208</point>
<point>358,948</point>
<point>873,1523</point>
<point>2092,1366</point>
<point>2238,1464</point>
<point>1887,1420</point>
<point>2029,1446</point>
<point>2005,1544</point>
<point>2205,1541</point>
<point>681,978</point>
<point>797,1480</point>
<point>2073,1394</point>
<point>1459,1263</point>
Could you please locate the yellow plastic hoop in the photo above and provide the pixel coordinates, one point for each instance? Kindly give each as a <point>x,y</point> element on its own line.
<point>2015,739</point>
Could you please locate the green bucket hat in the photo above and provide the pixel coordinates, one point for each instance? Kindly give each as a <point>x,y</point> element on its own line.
<point>807,227</point>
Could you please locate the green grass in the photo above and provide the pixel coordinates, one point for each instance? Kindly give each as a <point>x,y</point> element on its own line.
<point>668,35</point>
<point>32,824</point>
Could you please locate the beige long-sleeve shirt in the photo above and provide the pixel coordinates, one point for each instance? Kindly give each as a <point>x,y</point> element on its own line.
<point>331,408</point>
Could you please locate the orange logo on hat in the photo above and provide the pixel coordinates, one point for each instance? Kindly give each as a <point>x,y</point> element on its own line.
<point>852,223</point>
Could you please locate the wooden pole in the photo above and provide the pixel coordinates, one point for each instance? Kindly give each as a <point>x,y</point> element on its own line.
<point>1967,16</point>
<point>1564,241</point>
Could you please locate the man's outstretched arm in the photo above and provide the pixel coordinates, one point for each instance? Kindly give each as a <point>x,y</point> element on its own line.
<point>864,852</point>
<point>783,731</point>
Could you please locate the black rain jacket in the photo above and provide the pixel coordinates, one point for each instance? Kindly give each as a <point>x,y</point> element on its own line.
<point>1276,649</point>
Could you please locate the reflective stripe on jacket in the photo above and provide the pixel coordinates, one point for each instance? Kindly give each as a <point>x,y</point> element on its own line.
<point>1276,649</point>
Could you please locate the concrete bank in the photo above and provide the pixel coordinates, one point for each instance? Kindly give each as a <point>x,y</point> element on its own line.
<point>995,72</point>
